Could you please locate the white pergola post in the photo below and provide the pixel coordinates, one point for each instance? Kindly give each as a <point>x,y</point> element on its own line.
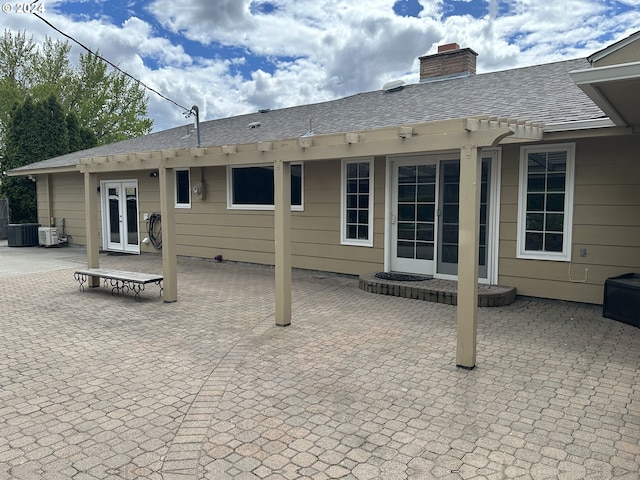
<point>468,245</point>
<point>168,222</point>
<point>91,195</point>
<point>282,227</point>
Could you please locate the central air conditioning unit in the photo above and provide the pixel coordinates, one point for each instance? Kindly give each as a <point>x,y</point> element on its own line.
<point>48,236</point>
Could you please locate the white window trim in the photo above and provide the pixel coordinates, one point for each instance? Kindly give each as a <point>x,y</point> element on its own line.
<point>343,203</point>
<point>232,206</point>
<point>175,187</point>
<point>565,255</point>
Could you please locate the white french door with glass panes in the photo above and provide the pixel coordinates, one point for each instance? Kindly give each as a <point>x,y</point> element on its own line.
<point>425,215</point>
<point>120,216</point>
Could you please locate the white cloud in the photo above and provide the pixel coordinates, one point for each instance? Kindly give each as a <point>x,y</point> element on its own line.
<point>314,50</point>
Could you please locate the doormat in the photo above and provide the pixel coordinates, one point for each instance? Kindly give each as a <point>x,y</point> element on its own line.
<point>400,277</point>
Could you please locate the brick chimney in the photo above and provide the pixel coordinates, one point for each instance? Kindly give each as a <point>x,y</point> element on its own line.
<point>451,61</point>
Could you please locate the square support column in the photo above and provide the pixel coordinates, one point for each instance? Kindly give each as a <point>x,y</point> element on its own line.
<point>166,177</point>
<point>282,227</point>
<point>468,245</point>
<point>91,195</point>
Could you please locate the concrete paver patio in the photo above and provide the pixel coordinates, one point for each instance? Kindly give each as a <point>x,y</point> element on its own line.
<point>360,386</point>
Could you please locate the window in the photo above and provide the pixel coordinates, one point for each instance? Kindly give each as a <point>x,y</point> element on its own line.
<point>251,187</point>
<point>183,188</point>
<point>546,202</point>
<point>357,203</point>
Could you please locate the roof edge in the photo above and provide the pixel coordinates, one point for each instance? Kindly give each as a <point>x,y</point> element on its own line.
<point>22,172</point>
<point>600,54</point>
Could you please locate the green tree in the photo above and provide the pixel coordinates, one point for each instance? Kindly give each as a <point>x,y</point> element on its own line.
<point>36,131</point>
<point>110,104</point>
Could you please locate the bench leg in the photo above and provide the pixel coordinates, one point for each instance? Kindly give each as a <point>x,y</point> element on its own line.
<point>81,279</point>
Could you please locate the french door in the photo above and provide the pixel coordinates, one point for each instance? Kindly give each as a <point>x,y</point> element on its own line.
<point>120,216</point>
<point>425,193</point>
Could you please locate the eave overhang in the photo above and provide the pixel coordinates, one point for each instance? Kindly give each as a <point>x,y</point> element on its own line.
<point>615,89</point>
<point>20,172</point>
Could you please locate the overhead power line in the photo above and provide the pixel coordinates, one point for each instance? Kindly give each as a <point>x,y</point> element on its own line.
<point>187,111</point>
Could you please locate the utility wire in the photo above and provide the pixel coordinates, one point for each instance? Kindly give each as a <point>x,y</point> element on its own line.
<point>187,111</point>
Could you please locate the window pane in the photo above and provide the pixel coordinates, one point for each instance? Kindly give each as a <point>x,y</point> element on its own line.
<point>363,170</point>
<point>407,175</point>
<point>363,201</point>
<point>425,232</point>
<point>253,186</point>
<point>352,216</point>
<point>427,174</point>
<point>557,161</point>
<point>406,249</point>
<point>553,242</point>
<point>424,251</point>
<point>535,202</point>
<point>554,222</point>
<point>406,213</point>
<point>406,193</point>
<point>537,162</point>
<point>555,202</point>
<point>363,185</point>
<point>182,186</point>
<point>352,186</point>
<point>451,193</point>
<point>406,231</point>
<point>450,213</point>
<point>535,183</point>
<point>426,193</point>
<point>363,232</point>
<point>363,217</point>
<point>533,241</point>
<point>534,221</point>
<point>296,184</point>
<point>555,182</point>
<point>352,170</point>
<point>450,253</point>
<point>450,234</point>
<point>426,213</point>
<point>352,201</point>
<point>351,231</point>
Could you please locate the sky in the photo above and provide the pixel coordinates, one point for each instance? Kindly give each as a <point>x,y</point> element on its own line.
<point>231,57</point>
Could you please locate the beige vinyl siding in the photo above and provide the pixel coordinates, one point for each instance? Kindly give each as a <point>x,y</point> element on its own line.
<point>208,228</point>
<point>606,222</point>
<point>67,201</point>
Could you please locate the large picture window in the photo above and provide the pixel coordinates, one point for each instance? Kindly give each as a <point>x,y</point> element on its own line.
<point>251,187</point>
<point>183,188</point>
<point>546,202</point>
<point>357,203</point>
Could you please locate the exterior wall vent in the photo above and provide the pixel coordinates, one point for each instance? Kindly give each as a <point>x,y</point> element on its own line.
<point>254,124</point>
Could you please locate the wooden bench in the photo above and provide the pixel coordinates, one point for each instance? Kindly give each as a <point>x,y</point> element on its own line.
<point>120,281</point>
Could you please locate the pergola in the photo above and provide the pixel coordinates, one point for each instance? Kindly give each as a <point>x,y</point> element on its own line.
<point>467,135</point>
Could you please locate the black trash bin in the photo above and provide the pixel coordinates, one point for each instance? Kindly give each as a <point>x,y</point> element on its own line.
<point>22,235</point>
<point>622,298</point>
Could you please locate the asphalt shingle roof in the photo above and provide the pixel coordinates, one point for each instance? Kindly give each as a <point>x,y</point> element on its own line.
<point>542,93</point>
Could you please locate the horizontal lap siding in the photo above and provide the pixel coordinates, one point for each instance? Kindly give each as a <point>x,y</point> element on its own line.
<point>67,195</point>
<point>208,228</point>
<point>606,223</point>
